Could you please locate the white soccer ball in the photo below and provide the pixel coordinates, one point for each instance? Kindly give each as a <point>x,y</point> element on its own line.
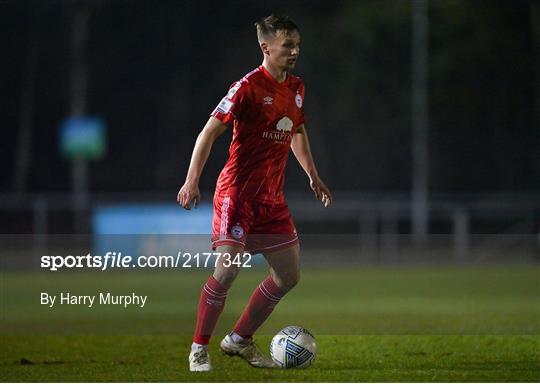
<point>293,347</point>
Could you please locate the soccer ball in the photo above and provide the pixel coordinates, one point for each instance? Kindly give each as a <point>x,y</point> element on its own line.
<point>293,347</point>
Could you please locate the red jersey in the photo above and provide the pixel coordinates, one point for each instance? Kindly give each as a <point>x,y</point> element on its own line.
<point>266,114</point>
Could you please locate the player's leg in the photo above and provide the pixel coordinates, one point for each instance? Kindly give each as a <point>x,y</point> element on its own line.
<point>214,294</point>
<point>284,274</point>
<point>230,224</point>
<point>272,233</point>
<point>211,304</point>
<point>285,267</point>
<point>225,272</point>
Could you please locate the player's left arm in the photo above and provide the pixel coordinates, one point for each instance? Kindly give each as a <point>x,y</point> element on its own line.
<point>302,152</point>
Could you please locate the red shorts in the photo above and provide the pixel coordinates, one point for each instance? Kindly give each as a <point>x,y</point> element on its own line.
<point>254,226</point>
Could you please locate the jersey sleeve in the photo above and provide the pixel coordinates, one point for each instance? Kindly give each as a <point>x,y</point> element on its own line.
<point>302,94</point>
<point>233,104</point>
<point>299,101</point>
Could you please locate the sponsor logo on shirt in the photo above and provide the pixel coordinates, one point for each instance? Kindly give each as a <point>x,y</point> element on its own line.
<point>284,124</point>
<point>282,133</point>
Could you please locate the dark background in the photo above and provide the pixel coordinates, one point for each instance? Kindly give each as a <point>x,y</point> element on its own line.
<point>156,70</point>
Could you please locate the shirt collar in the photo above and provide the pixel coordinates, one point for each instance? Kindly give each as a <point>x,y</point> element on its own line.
<point>272,78</point>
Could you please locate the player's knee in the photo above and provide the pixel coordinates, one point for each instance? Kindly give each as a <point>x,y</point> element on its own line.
<point>295,279</point>
<point>288,282</point>
<point>226,276</point>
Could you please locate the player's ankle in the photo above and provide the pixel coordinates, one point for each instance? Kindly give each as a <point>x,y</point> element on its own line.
<point>195,346</point>
<point>235,337</point>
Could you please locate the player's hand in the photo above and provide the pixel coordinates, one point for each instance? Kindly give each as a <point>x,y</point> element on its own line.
<point>188,194</point>
<point>322,192</point>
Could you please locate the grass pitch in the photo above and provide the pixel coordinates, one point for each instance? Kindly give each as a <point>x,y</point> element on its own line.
<point>372,324</point>
<point>341,359</point>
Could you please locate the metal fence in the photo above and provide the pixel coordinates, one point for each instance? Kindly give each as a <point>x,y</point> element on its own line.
<point>365,227</point>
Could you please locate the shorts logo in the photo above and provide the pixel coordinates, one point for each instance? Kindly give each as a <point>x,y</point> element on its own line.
<point>237,232</point>
<point>298,100</point>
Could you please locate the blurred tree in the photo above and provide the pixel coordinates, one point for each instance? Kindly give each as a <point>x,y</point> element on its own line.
<point>156,69</point>
<point>364,65</point>
<point>23,151</point>
<point>482,112</point>
<point>534,8</point>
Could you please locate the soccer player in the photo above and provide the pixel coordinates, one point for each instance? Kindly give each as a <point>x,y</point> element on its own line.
<point>266,110</point>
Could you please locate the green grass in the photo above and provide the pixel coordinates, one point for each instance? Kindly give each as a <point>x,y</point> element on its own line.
<point>372,324</point>
<point>341,358</point>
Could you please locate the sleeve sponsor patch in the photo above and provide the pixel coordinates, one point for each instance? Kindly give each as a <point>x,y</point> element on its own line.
<point>233,90</point>
<point>224,106</point>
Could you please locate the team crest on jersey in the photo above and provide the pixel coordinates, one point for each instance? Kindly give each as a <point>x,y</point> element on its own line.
<point>237,232</point>
<point>298,100</point>
<point>268,100</point>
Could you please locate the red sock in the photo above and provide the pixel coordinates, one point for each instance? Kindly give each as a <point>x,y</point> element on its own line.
<point>211,304</point>
<point>260,306</point>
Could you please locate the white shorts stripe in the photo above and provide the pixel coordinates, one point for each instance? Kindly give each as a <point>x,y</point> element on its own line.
<point>224,217</point>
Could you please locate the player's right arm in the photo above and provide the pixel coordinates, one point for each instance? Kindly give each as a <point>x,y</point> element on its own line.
<point>190,190</point>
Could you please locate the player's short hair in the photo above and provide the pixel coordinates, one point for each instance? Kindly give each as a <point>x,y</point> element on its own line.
<point>268,26</point>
